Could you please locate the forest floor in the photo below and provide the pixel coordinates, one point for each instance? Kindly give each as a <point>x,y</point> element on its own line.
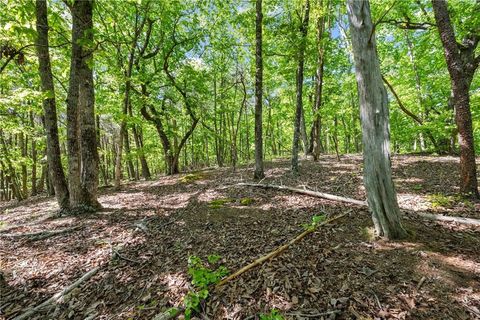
<point>143,237</point>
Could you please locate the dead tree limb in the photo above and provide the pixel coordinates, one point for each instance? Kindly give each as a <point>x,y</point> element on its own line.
<point>277,251</point>
<point>429,216</point>
<point>34,236</point>
<point>58,296</point>
<point>307,192</point>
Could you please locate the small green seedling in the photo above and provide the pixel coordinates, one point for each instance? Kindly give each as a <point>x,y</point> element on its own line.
<point>219,203</point>
<point>246,201</point>
<point>203,277</point>
<point>316,220</point>
<point>273,315</point>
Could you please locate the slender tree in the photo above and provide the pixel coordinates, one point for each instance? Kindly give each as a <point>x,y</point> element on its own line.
<point>315,142</point>
<point>81,133</point>
<point>55,169</point>
<point>461,64</point>
<point>258,174</point>
<point>299,83</point>
<point>381,195</point>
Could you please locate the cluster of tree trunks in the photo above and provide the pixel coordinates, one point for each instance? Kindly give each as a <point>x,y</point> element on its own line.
<point>81,191</point>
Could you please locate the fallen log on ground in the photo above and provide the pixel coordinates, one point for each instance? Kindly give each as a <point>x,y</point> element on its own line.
<point>440,217</point>
<point>307,192</point>
<point>58,296</point>
<point>277,251</point>
<point>34,236</point>
<point>430,216</point>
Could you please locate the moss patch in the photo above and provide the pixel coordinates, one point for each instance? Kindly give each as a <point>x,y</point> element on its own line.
<point>439,201</point>
<point>246,201</point>
<point>191,177</point>
<point>218,203</point>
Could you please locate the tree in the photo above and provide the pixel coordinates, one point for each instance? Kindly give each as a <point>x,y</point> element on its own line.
<point>315,142</point>
<point>55,169</point>
<point>381,195</point>
<point>299,86</point>
<point>82,142</point>
<point>258,174</point>
<point>461,64</point>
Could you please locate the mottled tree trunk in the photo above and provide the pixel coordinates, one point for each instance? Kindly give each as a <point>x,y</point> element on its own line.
<point>299,81</point>
<point>259,173</point>
<point>381,195</point>
<point>73,126</point>
<point>55,171</point>
<point>81,132</point>
<point>88,134</point>
<point>460,76</point>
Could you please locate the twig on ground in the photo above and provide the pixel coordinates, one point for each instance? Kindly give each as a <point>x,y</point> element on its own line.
<point>117,254</point>
<point>420,283</point>
<point>430,216</point>
<point>41,235</point>
<point>277,251</point>
<point>58,296</point>
<point>314,315</point>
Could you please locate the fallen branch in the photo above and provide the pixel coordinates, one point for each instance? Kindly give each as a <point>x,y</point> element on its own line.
<point>58,296</point>
<point>277,251</point>
<point>34,236</point>
<point>316,315</point>
<point>440,217</point>
<point>307,192</point>
<point>430,216</point>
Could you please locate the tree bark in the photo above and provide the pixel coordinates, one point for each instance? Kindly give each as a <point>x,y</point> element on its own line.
<point>381,195</point>
<point>316,127</point>
<point>259,171</point>
<point>88,133</point>
<point>299,108</point>
<point>81,132</point>
<point>73,126</point>
<point>55,169</point>
<point>460,77</point>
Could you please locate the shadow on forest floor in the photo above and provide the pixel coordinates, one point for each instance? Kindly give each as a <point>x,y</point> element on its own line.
<point>157,225</point>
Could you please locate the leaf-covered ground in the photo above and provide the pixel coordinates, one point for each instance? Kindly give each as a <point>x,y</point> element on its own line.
<point>146,232</point>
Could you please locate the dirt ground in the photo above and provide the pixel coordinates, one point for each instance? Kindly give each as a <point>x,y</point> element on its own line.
<point>143,237</point>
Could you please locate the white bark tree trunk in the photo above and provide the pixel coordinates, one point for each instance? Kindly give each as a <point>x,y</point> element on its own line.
<point>381,195</point>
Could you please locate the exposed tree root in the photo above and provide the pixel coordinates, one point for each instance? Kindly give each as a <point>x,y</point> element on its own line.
<point>429,216</point>
<point>58,296</point>
<point>277,251</point>
<point>34,236</point>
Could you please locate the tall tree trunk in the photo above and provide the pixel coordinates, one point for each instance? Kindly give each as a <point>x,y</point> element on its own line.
<point>299,81</point>
<point>22,144</point>
<point>259,173</point>
<point>316,127</point>
<point>460,77</point>
<point>57,176</point>
<point>73,114</point>
<point>34,156</point>
<point>17,192</point>
<point>86,105</point>
<point>381,195</point>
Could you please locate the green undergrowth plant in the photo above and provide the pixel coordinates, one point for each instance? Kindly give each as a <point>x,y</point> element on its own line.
<point>439,200</point>
<point>191,177</point>
<point>316,220</point>
<point>246,201</point>
<point>204,275</point>
<point>219,203</point>
<point>274,314</point>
